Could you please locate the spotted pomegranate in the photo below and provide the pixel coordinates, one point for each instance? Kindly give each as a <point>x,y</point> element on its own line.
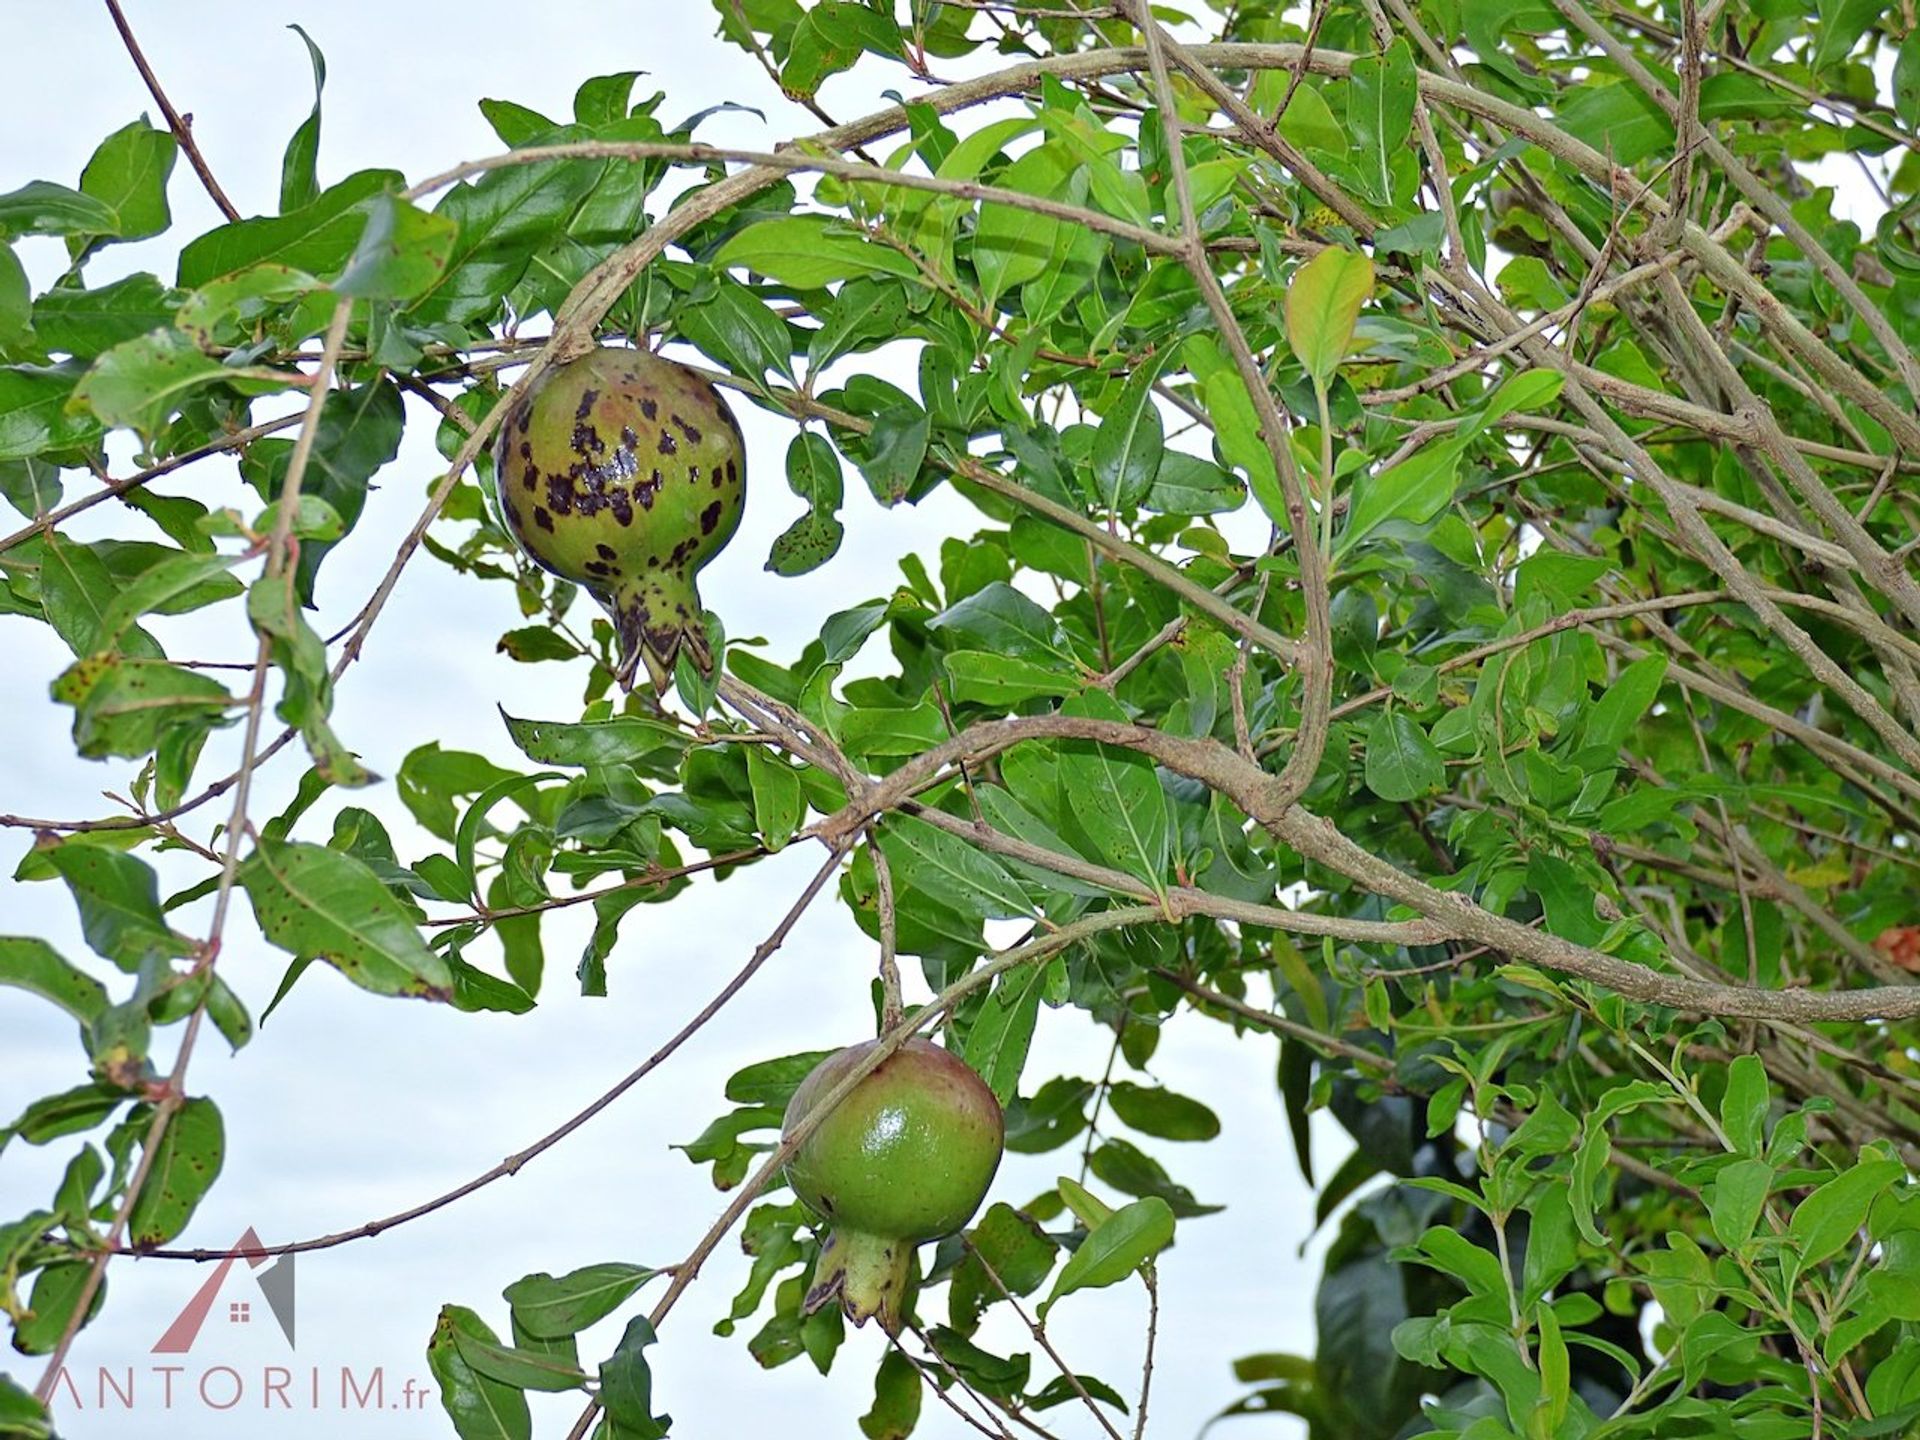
<point>906,1157</point>
<point>624,473</point>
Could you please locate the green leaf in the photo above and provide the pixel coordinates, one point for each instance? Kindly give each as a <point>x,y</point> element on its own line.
<point>140,383</point>
<point>1621,706</point>
<point>806,251</point>
<point>402,252</point>
<point>1188,485</point>
<point>1906,81</point>
<point>128,174</point>
<point>1323,304</point>
<point>946,867</point>
<point>156,589</point>
<point>1129,443</point>
<point>1842,23</point>
<point>118,897</point>
<point>1162,1113</point>
<point>298,183</point>
<point>24,1418</point>
<point>522,1369</point>
<point>1002,1031</point>
<point>1746,1103</point>
<point>1237,432</point>
<point>504,218</point>
<point>1380,103</point>
<point>33,965</point>
<point>1628,124</point>
<point>34,418</point>
<point>896,1399</point>
<point>86,323</point>
<point>1415,490</point>
<point>896,449</point>
<point>1526,392</point>
<point>1402,763</point>
<point>321,904</point>
<point>622,740</point>
<point>626,1386</point>
<point>998,618</point>
<point>772,1082</point>
<point>125,706</point>
<point>315,239</point>
<point>16,300</point>
<point>31,486</point>
<point>51,1305</point>
<point>1012,246</point>
<point>1126,1167</point>
<point>829,39</point>
<point>359,433</point>
<point>1737,1196</point>
<point>1008,1246</point>
<point>777,802</point>
<point>1116,795</point>
<point>480,1408</point>
<point>1559,579</point>
<point>183,1168</point>
<point>813,473</point>
<point>1116,1247</point>
<point>893,732</point>
<point>737,329</point>
<point>980,677</point>
<point>42,208</point>
<point>1829,1219</point>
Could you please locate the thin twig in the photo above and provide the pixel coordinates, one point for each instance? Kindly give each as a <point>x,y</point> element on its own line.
<point>180,125</point>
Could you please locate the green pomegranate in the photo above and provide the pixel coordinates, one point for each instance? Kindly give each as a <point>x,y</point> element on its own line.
<point>906,1157</point>
<point>624,473</point>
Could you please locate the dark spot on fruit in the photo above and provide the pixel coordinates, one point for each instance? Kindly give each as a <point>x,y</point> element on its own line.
<point>622,507</point>
<point>542,518</point>
<point>710,517</point>
<point>530,477</point>
<point>628,438</point>
<point>733,472</point>
<point>560,494</point>
<point>599,567</point>
<point>526,451</point>
<point>586,440</point>
<point>648,406</point>
<point>668,446</point>
<point>646,490</point>
<point>513,515</point>
<point>587,397</point>
<point>693,435</point>
<point>607,552</point>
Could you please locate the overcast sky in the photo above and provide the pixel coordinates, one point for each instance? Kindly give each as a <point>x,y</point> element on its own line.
<point>348,1107</point>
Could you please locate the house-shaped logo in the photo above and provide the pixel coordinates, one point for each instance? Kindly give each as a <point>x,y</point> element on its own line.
<point>275,1284</point>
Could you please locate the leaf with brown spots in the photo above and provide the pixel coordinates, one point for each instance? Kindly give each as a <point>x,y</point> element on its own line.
<point>321,904</point>
<point>184,1167</point>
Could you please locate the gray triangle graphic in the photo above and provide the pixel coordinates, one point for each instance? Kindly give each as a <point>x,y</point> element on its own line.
<point>276,1283</point>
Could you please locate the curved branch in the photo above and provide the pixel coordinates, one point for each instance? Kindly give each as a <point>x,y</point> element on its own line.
<point>1256,792</point>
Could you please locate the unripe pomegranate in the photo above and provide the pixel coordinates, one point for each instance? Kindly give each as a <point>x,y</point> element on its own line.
<point>906,1157</point>
<point>624,473</point>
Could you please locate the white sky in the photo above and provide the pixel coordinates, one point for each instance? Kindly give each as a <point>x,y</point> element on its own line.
<point>348,1107</point>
